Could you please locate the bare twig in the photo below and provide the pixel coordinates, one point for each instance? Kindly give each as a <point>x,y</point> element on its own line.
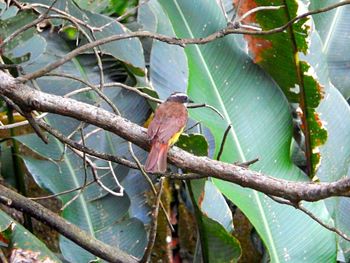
<point>8,66</point>
<point>222,145</point>
<point>3,259</point>
<point>21,123</point>
<point>132,10</point>
<point>33,123</point>
<point>29,118</point>
<point>221,4</point>
<point>154,223</point>
<point>299,206</point>
<point>247,163</point>
<point>148,179</point>
<point>86,149</point>
<point>80,191</point>
<point>201,105</point>
<point>41,18</point>
<point>95,88</point>
<point>256,9</point>
<point>172,40</point>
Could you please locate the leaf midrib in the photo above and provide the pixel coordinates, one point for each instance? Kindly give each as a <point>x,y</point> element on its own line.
<point>76,184</point>
<point>274,254</point>
<point>330,34</point>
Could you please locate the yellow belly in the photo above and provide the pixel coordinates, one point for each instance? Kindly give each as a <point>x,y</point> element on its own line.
<point>175,137</point>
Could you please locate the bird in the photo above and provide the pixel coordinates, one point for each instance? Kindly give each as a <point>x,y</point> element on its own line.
<point>164,130</point>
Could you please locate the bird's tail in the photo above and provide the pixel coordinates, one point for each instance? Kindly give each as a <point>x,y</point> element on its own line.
<point>157,158</point>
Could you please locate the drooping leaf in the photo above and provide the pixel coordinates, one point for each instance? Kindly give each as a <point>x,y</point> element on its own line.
<point>335,112</point>
<point>168,63</point>
<point>223,76</point>
<point>212,212</point>
<point>334,32</point>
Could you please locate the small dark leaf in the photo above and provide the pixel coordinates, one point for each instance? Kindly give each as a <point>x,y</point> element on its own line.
<point>193,143</point>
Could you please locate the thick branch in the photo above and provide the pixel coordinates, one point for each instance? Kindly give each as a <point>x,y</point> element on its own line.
<point>202,167</point>
<point>74,233</point>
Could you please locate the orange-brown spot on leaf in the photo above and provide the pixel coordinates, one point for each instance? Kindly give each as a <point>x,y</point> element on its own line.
<point>244,7</point>
<point>257,46</point>
<point>320,89</point>
<point>200,199</point>
<point>3,239</point>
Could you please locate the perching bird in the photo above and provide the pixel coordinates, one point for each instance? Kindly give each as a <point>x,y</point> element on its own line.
<point>168,123</point>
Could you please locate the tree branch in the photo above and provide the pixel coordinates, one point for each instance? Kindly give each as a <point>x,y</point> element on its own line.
<point>201,167</point>
<point>230,29</point>
<point>72,232</point>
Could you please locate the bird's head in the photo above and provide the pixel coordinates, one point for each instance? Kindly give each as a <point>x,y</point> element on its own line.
<point>179,97</point>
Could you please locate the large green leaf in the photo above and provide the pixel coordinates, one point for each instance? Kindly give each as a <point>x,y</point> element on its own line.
<point>109,218</point>
<point>20,238</point>
<point>293,74</point>
<point>25,46</point>
<point>223,76</point>
<point>99,213</point>
<point>333,27</point>
<point>168,64</point>
<point>335,112</point>
<point>128,51</point>
<point>94,6</point>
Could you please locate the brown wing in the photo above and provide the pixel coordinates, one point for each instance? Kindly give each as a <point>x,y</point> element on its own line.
<point>169,118</point>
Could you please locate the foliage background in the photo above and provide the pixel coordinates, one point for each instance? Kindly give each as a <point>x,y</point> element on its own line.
<point>254,88</point>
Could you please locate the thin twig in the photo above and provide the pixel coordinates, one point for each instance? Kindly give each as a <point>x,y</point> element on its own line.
<point>8,66</point>
<point>86,149</point>
<point>201,105</point>
<point>299,206</point>
<point>116,178</point>
<point>247,163</point>
<point>194,125</point>
<point>21,123</point>
<point>223,141</point>
<point>131,10</point>
<point>99,182</point>
<point>154,223</point>
<point>3,259</point>
<point>41,18</point>
<point>256,9</point>
<point>114,84</point>
<point>221,4</point>
<point>80,191</point>
<point>33,123</point>
<point>66,191</point>
<point>29,118</point>
<point>172,40</point>
<point>148,179</point>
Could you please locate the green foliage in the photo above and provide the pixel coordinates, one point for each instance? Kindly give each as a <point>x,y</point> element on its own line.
<point>193,143</point>
<point>303,64</point>
<point>13,237</point>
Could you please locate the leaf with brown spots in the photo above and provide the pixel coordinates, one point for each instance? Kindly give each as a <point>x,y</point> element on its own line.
<point>279,55</point>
